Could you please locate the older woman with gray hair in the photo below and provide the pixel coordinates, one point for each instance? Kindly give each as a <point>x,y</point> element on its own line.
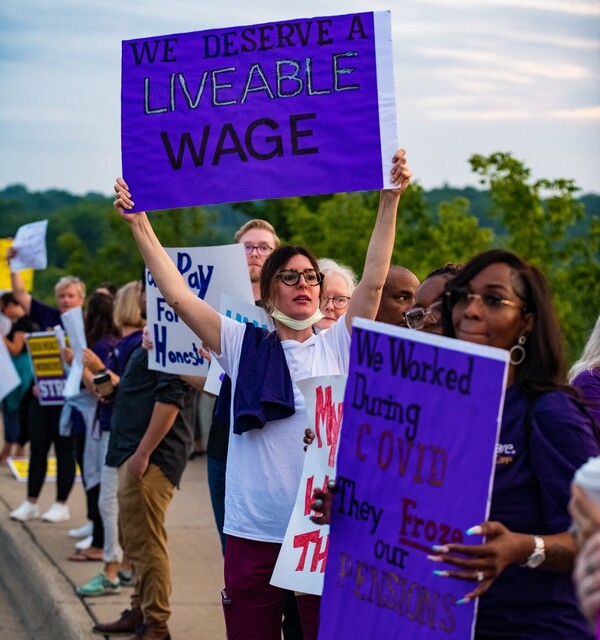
<point>339,282</point>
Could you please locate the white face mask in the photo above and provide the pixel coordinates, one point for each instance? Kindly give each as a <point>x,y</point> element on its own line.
<point>297,325</point>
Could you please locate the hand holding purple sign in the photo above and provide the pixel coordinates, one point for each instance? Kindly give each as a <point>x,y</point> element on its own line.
<point>285,101</point>
<point>401,480</point>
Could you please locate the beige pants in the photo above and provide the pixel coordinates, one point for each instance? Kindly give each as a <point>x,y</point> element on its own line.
<point>142,510</point>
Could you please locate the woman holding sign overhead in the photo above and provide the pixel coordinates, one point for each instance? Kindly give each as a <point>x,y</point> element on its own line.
<point>522,568</point>
<point>268,411</point>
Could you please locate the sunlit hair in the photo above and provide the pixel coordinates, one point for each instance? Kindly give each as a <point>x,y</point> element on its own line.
<point>67,281</point>
<point>329,267</point>
<point>126,311</point>
<point>98,320</point>
<point>544,367</point>
<point>257,223</point>
<point>590,358</point>
<point>273,265</point>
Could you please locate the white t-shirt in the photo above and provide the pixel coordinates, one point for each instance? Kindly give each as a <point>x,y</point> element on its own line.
<point>264,466</point>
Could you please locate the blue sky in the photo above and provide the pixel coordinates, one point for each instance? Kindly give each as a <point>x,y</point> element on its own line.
<point>472,76</point>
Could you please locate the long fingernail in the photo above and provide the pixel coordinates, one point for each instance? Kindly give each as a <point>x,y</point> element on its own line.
<point>440,548</point>
<point>474,531</point>
<point>443,574</point>
<point>463,601</point>
<point>435,558</point>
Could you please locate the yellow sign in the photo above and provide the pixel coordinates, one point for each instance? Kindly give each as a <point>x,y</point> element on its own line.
<point>48,367</point>
<point>27,274</point>
<point>20,469</point>
<point>46,345</point>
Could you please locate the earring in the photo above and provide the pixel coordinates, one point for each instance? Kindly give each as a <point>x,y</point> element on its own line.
<point>517,352</point>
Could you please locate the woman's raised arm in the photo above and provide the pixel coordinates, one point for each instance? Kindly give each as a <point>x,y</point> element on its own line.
<point>367,295</point>
<point>204,321</point>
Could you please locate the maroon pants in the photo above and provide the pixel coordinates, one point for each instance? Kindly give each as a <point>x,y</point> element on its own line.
<point>253,608</point>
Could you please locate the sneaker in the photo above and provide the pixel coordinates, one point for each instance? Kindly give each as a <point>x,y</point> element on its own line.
<point>58,512</point>
<point>100,585</point>
<point>25,511</point>
<point>85,543</point>
<point>84,531</point>
<point>125,578</point>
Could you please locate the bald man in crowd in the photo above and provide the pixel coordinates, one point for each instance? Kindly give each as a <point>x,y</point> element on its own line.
<point>398,295</point>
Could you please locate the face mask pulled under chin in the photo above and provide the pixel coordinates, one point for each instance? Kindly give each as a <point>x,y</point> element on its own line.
<point>297,325</point>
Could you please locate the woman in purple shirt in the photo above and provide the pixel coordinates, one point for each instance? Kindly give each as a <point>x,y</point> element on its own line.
<point>522,572</point>
<point>585,373</point>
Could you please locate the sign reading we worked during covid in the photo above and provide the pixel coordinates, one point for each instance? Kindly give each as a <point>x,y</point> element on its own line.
<point>208,272</point>
<point>292,108</point>
<point>415,465</point>
<point>48,369</point>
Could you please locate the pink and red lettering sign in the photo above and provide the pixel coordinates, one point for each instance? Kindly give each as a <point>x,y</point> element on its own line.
<point>302,560</point>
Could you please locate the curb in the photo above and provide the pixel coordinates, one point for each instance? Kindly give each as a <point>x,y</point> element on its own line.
<point>39,591</point>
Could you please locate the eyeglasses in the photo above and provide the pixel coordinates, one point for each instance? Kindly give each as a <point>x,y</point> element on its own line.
<point>417,318</point>
<point>261,249</point>
<point>462,298</point>
<point>339,302</point>
<point>291,277</point>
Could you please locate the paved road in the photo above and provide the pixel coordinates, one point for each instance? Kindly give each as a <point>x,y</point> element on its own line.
<point>11,623</point>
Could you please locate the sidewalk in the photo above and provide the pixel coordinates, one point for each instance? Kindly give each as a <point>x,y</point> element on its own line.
<point>35,568</point>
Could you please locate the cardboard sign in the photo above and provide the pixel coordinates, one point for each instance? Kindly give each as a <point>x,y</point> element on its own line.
<point>208,272</point>
<point>302,559</point>
<point>30,243</point>
<point>72,321</point>
<point>5,282</point>
<point>48,368</point>
<point>416,459</point>
<point>292,108</point>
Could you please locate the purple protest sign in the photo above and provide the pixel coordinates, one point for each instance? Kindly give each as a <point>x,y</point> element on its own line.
<point>415,466</point>
<point>291,108</point>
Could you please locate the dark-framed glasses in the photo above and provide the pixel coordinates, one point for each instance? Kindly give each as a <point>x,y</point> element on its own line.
<point>339,302</point>
<point>261,249</point>
<point>417,318</point>
<point>462,298</point>
<point>291,277</point>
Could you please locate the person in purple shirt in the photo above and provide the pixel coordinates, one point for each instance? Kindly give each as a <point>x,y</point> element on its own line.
<point>522,572</point>
<point>585,373</point>
<point>43,421</point>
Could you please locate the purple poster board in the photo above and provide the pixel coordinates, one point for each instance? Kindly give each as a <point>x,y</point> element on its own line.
<point>415,466</point>
<point>282,109</point>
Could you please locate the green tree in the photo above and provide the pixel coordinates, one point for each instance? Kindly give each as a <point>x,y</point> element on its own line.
<point>538,216</point>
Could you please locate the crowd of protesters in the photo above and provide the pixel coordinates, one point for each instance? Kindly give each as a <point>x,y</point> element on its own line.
<point>535,543</point>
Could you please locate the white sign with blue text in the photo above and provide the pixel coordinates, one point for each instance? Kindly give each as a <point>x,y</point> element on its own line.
<point>208,272</point>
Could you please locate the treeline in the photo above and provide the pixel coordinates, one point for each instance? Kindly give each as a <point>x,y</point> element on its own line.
<point>545,221</point>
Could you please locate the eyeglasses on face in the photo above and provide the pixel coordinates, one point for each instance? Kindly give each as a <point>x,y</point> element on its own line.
<point>291,277</point>
<point>339,302</point>
<point>462,298</point>
<point>261,249</point>
<point>418,317</point>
